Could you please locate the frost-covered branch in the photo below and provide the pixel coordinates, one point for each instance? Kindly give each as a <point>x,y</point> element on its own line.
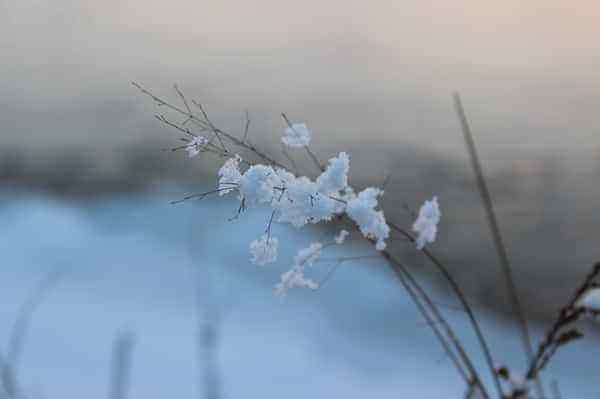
<point>584,302</point>
<point>328,197</point>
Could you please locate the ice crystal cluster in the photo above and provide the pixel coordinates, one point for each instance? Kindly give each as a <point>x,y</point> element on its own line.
<point>196,145</point>
<point>426,224</point>
<point>264,250</point>
<point>300,200</point>
<point>296,136</point>
<point>295,276</point>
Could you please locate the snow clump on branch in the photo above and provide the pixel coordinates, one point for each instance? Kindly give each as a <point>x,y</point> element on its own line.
<point>297,136</point>
<point>194,146</point>
<point>264,250</point>
<point>295,276</point>
<point>371,222</point>
<point>298,200</point>
<point>426,224</point>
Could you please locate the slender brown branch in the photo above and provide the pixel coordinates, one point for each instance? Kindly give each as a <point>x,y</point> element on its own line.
<point>415,290</point>
<point>246,128</point>
<point>497,236</point>
<point>287,156</point>
<point>203,195</point>
<point>210,147</point>
<point>215,131</point>
<point>185,102</point>
<point>464,303</point>
<point>314,158</point>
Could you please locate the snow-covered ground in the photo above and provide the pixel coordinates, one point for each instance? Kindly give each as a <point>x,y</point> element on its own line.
<point>135,263</point>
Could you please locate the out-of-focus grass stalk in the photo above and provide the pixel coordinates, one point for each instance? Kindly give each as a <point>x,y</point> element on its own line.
<point>121,363</point>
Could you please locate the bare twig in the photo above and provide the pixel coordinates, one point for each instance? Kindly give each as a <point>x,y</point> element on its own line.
<point>203,195</point>
<point>209,147</point>
<point>338,261</point>
<point>246,128</point>
<point>314,158</point>
<point>287,156</point>
<point>216,131</point>
<point>387,177</point>
<point>238,142</point>
<point>185,102</point>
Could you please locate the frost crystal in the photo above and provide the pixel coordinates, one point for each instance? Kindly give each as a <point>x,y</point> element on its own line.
<point>264,250</point>
<point>301,203</point>
<point>341,236</point>
<point>335,177</point>
<point>193,147</point>
<point>257,184</point>
<point>304,201</point>
<point>295,277</point>
<point>590,300</point>
<point>298,200</point>
<point>229,175</point>
<point>296,136</point>
<point>426,224</point>
<point>371,222</point>
<point>307,256</point>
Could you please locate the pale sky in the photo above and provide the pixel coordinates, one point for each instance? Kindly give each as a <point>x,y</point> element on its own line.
<point>527,69</point>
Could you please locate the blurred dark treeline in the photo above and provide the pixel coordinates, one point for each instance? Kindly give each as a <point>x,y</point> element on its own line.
<point>547,208</point>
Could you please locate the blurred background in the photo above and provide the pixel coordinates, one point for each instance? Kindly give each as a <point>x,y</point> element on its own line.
<point>99,273</point>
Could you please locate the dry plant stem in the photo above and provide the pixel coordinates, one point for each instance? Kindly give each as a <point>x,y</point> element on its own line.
<point>200,195</point>
<point>314,158</point>
<point>497,236</point>
<point>207,341</point>
<point>246,128</point>
<point>465,304</point>
<point>3,388</point>
<point>567,315</point>
<point>399,270</point>
<point>19,330</point>
<point>121,366</point>
<point>209,147</point>
<point>287,156</point>
<point>556,390</point>
<point>406,278</point>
